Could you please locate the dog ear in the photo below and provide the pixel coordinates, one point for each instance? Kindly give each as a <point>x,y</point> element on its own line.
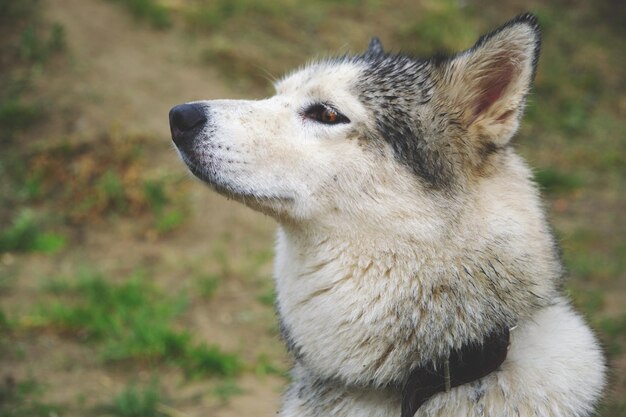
<point>487,84</point>
<point>375,47</point>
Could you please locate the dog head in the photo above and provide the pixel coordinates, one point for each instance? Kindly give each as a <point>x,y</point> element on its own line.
<point>366,135</point>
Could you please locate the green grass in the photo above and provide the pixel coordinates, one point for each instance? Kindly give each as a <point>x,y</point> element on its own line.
<point>443,26</point>
<point>268,297</point>
<point>37,48</point>
<point>29,43</point>
<point>211,15</point>
<point>16,115</point>
<point>206,359</point>
<point>25,234</point>
<point>134,401</point>
<point>86,183</point>
<point>151,11</point>
<point>227,389</point>
<point>130,320</point>
<point>613,331</point>
<point>22,398</point>
<point>613,409</point>
<point>168,215</point>
<point>127,318</point>
<point>554,181</point>
<point>593,266</point>
<point>265,366</point>
<point>592,256</point>
<point>589,301</point>
<point>111,191</point>
<point>156,195</point>
<point>207,285</point>
<point>169,220</point>
<point>5,328</point>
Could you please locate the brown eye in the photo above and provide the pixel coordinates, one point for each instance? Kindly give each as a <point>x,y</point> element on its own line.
<point>325,114</point>
<point>329,116</point>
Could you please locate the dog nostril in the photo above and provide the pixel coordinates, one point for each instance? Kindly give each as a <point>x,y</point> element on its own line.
<point>185,117</point>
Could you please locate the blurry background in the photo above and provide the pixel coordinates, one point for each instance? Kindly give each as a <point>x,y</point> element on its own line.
<point>128,289</point>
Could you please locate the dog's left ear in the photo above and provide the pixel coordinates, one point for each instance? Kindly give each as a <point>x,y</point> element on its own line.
<point>375,47</point>
<point>487,84</point>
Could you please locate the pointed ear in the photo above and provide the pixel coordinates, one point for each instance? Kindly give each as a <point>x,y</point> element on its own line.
<point>487,84</point>
<point>375,47</point>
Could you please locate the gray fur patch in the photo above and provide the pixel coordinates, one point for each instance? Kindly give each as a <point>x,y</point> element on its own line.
<point>396,88</point>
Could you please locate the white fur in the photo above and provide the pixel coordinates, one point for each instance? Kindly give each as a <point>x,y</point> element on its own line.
<point>377,271</point>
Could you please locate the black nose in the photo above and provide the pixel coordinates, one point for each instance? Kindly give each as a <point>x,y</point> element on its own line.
<point>186,120</point>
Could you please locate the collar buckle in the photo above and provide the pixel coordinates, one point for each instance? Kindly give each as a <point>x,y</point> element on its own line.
<point>446,375</point>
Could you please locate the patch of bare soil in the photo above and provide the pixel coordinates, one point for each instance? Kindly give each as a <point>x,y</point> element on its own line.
<point>123,73</point>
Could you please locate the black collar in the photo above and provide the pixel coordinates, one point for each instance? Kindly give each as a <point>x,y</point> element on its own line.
<point>467,364</point>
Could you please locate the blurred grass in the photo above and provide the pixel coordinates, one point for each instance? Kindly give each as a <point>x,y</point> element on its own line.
<point>28,44</point>
<point>151,11</point>
<point>227,389</point>
<point>22,398</point>
<point>553,181</point>
<point>133,321</point>
<point>53,191</point>
<point>134,401</point>
<point>25,234</point>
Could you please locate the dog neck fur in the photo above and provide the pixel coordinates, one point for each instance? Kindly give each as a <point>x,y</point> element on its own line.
<point>358,306</point>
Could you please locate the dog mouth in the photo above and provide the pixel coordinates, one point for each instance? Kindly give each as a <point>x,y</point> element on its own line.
<point>209,175</point>
<point>204,172</point>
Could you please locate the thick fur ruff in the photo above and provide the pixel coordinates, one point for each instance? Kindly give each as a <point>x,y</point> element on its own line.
<point>408,227</point>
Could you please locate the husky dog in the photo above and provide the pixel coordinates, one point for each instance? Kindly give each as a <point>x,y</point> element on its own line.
<point>415,270</point>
